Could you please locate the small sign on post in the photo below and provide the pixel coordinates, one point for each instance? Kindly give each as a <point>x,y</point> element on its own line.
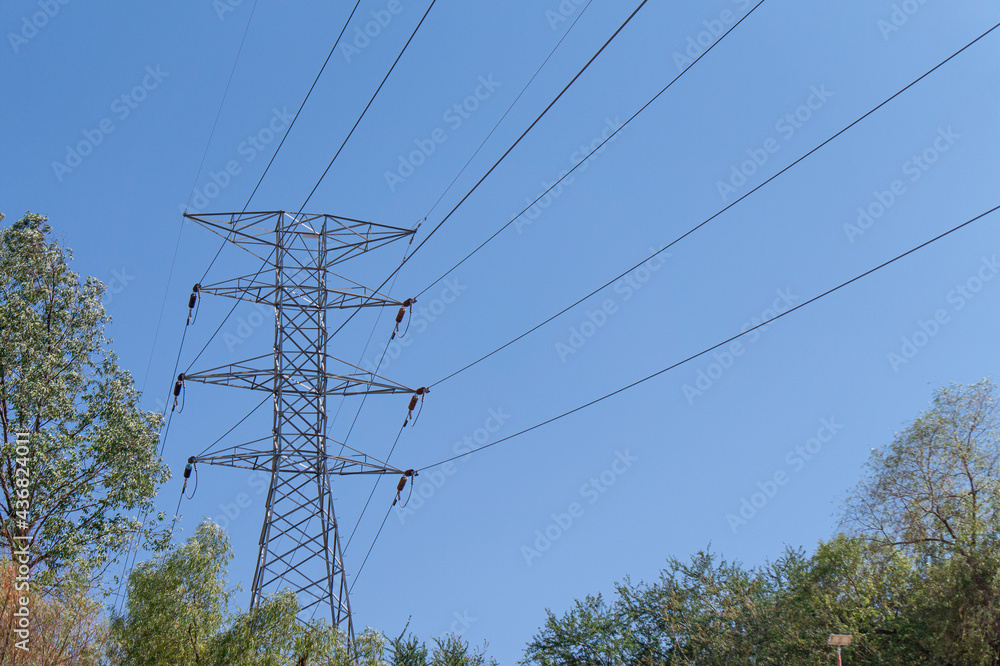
<point>840,640</point>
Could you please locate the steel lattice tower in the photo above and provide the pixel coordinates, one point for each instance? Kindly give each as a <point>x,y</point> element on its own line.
<point>300,545</point>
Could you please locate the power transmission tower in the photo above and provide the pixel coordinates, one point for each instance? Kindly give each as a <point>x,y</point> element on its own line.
<point>300,545</point>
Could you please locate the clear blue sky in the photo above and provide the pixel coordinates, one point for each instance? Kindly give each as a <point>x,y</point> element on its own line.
<point>699,440</point>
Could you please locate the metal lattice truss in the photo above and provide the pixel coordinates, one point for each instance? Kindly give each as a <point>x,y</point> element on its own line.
<point>300,540</point>
<point>258,456</point>
<point>248,374</point>
<point>343,238</point>
<point>252,288</point>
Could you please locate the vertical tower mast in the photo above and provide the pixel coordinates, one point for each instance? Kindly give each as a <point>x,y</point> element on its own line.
<point>299,547</point>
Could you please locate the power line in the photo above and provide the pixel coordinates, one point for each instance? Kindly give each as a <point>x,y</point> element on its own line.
<point>505,113</point>
<point>693,229</point>
<point>588,155</point>
<point>443,193</point>
<point>163,444</point>
<point>289,129</point>
<point>363,562</point>
<point>523,134</point>
<point>302,207</point>
<point>502,157</point>
<point>238,423</point>
<point>163,306</point>
<point>372,493</point>
<point>337,154</point>
<point>720,344</point>
<point>201,165</point>
<point>225,94</point>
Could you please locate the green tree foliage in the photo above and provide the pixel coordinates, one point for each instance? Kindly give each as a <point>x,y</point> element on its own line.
<point>449,650</point>
<point>915,578</point>
<point>934,495</point>
<point>92,458</point>
<point>177,612</point>
<point>707,611</point>
<point>176,604</point>
<point>271,635</point>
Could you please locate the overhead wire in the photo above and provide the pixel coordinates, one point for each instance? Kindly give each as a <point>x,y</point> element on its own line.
<point>134,541</point>
<point>502,157</point>
<point>236,425</point>
<point>288,129</point>
<point>569,29</point>
<point>525,133</point>
<point>592,151</point>
<point>442,195</point>
<point>365,561</point>
<point>329,166</point>
<point>699,225</point>
<point>163,306</point>
<point>201,165</point>
<point>372,493</point>
<point>718,345</point>
<point>367,106</point>
<point>218,113</point>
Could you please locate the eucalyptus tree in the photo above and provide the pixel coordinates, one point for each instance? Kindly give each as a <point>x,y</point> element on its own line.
<point>78,458</point>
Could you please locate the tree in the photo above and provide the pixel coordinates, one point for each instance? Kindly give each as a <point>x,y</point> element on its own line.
<point>177,612</point>
<point>89,457</point>
<point>176,604</point>
<point>449,650</point>
<point>66,625</point>
<point>708,611</point>
<point>272,634</point>
<point>934,495</point>
<point>408,651</point>
<point>850,587</point>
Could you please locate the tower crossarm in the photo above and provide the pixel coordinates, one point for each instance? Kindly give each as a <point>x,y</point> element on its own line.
<point>344,237</point>
<point>249,374</point>
<point>251,288</point>
<point>259,455</point>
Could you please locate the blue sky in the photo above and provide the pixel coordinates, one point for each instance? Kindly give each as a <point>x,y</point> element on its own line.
<point>663,469</point>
